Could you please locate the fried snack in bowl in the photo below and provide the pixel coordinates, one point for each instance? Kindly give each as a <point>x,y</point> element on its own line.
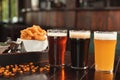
<point>33,33</point>
<point>34,39</point>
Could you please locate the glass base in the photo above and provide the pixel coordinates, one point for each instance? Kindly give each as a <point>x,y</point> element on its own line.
<point>79,67</point>
<point>106,71</point>
<point>59,66</point>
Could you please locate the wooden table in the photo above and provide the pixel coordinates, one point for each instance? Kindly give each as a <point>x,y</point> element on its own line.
<point>67,73</point>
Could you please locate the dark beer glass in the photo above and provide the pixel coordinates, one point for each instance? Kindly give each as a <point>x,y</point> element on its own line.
<point>79,48</point>
<point>57,47</point>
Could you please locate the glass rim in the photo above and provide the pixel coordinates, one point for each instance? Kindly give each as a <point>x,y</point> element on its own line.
<point>105,35</point>
<point>81,34</point>
<point>105,32</point>
<point>55,30</point>
<point>80,30</point>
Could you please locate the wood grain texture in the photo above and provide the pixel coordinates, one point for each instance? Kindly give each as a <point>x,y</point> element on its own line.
<point>114,20</point>
<point>81,19</point>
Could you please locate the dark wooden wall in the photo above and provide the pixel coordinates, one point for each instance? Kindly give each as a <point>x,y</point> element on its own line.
<point>72,17</point>
<point>52,18</point>
<point>99,20</point>
<point>81,19</point>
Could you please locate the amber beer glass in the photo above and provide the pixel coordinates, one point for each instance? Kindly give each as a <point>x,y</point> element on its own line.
<point>105,45</point>
<point>57,47</point>
<point>79,40</point>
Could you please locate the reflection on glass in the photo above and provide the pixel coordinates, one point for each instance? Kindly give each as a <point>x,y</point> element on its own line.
<point>59,74</point>
<point>62,74</point>
<point>99,75</point>
<point>79,75</point>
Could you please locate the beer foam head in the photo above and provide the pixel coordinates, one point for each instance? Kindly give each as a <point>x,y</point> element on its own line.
<point>105,35</point>
<point>55,32</point>
<point>79,34</point>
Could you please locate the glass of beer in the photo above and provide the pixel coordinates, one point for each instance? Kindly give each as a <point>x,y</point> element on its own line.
<point>104,46</point>
<point>57,39</point>
<point>79,40</point>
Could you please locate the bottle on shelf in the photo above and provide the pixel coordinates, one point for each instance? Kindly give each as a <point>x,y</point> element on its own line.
<point>81,3</point>
<point>35,4</point>
<point>58,3</point>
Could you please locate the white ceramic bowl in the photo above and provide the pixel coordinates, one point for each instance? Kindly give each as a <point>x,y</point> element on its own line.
<point>34,45</point>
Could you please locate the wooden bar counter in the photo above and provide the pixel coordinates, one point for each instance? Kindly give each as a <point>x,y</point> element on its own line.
<point>66,73</point>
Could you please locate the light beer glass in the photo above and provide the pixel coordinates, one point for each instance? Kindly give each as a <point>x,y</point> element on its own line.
<point>104,46</point>
<point>57,39</point>
<point>79,40</point>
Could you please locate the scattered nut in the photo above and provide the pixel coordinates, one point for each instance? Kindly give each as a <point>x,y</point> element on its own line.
<point>12,70</point>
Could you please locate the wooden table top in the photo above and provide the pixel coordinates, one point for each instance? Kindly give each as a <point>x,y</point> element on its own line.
<point>67,73</point>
